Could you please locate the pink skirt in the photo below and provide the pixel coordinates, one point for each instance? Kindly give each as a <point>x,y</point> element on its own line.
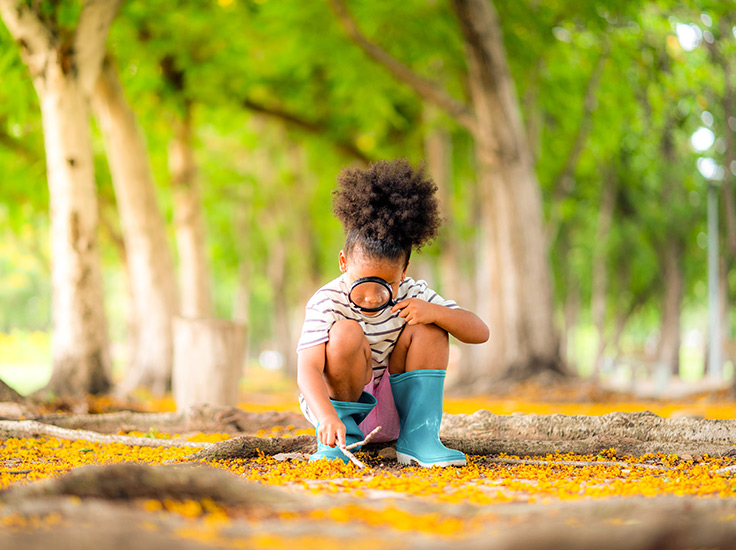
<point>384,414</point>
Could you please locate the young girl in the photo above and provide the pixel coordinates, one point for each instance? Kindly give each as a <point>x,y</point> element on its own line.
<point>374,346</point>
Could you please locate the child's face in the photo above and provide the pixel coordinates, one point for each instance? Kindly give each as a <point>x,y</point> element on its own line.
<point>357,265</point>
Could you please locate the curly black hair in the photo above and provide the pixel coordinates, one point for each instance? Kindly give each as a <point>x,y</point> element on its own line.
<point>388,208</point>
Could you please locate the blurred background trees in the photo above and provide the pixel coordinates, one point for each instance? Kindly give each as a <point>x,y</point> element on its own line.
<point>574,146</point>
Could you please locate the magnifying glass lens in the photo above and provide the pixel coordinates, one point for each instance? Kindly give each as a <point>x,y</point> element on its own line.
<point>370,296</point>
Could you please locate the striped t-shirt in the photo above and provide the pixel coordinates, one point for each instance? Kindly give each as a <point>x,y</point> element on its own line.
<point>330,304</point>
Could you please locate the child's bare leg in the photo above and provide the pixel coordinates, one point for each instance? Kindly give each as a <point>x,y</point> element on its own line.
<point>348,365</point>
<point>420,347</point>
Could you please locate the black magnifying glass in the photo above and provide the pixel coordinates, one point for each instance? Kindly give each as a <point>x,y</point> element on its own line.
<point>371,294</point>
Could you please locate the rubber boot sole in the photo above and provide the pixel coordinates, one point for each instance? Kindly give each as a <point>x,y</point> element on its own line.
<point>407,459</point>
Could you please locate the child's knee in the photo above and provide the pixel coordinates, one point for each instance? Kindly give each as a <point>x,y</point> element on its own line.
<point>346,336</point>
<point>428,334</point>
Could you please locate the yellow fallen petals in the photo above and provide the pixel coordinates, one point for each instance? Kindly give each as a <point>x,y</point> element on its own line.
<point>550,479</point>
<point>30,459</point>
<point>484,483</point>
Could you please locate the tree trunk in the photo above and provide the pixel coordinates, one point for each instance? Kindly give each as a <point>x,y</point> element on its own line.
<point>281,323</point>
<point>150,265</point>
<point>80,338</point>
<point>438,152</point>
<point>523,338</point>
<point>195,281</point>
<point>599,278</point>
<point>64,73</point>
<point>208,362</point>
<point>668,351</point>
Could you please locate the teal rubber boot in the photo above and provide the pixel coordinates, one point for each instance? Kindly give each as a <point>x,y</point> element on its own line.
<point>418,398</point>
<point>351,414</point>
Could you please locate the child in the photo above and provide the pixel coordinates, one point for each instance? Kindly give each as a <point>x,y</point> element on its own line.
<point>374,346</point>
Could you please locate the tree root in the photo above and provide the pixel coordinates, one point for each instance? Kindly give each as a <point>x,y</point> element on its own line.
<point>203,418</point>
<point>487,446</point>
<point>641,426</point>
<point>247,446</point>
<point>482,433</point>
<point>31,428</point>
<point>137,481</point>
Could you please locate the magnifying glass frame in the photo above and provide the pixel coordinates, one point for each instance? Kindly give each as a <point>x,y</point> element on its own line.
<point>379,281</point>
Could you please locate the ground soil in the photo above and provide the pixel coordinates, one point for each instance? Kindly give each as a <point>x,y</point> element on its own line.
<point>109,506</point>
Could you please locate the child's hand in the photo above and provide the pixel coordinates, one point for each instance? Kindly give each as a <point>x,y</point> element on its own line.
<point>331,431</point>
<point>416,311</point>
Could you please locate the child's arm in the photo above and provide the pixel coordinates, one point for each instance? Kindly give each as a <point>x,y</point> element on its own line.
<point>310,369</point>
<point>464,325</point>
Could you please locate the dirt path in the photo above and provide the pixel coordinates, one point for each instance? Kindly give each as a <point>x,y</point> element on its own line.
<point>615,491</point>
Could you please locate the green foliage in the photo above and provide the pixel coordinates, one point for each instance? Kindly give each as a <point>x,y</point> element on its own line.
<point>248,69</point>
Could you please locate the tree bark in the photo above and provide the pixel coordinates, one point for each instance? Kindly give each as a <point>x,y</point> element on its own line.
<point>208,362</point>
<point>150,264</point>
<point>64,73</point>
<point>194,272</point>
<point>524,340</point>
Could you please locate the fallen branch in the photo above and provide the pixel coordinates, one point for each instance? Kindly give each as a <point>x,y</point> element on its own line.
<point>31,428</point>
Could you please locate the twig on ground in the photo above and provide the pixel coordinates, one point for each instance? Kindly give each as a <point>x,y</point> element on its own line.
<point>726,470</point>
<point>577,463</point>
<point>366,440</point>
<point>351,456</point>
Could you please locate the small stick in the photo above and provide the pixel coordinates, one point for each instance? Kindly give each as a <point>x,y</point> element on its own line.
<point>351,456</point>
<point>366,440</point>
<point>726,470</point>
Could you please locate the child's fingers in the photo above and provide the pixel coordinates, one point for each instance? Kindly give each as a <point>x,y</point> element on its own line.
<point>340,436</point>
<point>327,435</point>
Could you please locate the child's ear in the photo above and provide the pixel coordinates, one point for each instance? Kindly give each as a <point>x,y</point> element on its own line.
<point>342,261</point>
<point>403,274</point>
